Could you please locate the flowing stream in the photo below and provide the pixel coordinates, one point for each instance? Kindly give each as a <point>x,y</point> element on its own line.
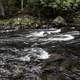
<point>40,54</point>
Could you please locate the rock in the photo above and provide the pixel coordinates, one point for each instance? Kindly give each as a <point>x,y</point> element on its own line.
<point>59,20</point>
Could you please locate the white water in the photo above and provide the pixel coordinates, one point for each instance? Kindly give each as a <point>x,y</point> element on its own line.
<point>44,33</point>
<point>53,37</point>
<point>46,36</point>
<point>61,37</point>
<point>37,53</point>
<point>42,54</point>
<point>53,30</point>
<point>43,37</point>
<point>24,58</point>
<point>38,34</point>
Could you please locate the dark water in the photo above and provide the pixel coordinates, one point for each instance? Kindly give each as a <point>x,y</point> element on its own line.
<point>43,54</point>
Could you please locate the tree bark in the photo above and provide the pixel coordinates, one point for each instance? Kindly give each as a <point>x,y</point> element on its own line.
<point>2,13</point>
<point>22,8</point>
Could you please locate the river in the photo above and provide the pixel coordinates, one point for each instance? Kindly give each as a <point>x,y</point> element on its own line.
<point>40,54</point>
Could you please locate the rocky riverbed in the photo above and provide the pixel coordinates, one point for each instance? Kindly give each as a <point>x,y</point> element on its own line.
<point>39,54</point>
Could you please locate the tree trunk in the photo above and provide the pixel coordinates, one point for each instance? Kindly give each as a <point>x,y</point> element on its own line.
<point>22,8</point>
<point>2,13</point>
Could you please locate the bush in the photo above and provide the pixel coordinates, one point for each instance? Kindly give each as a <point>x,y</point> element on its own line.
<point>57,5</point>
<point>61,4</point>
<point>40,6</point>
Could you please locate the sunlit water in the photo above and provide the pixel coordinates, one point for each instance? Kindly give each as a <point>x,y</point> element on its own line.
<point>40,52</point>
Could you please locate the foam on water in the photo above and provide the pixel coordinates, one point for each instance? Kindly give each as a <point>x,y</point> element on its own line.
<point>54,31</point>
<point>44,33</point>
<point>37,53</point>
<point>61,37</point>
<point>37,34</point>
<point>24,58</point>
<point>65,37</point>
<point>42,54</point>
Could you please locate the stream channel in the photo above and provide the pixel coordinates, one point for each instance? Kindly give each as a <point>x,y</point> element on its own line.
<point>40,54</point>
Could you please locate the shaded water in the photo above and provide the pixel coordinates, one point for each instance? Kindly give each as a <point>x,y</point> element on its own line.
<point>43,54</point>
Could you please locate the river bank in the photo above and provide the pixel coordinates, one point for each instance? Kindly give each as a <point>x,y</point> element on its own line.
<point>22,22</point>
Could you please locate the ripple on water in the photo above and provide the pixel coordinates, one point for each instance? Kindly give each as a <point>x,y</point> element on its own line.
<point>74,33</point>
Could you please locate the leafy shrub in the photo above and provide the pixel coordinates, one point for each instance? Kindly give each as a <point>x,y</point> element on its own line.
<point>61,4</point>
<point>50,7</point>
<point>12,6</point>
<point>55,4</point>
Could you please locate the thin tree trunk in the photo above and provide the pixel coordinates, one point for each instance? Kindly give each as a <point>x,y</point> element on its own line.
<point>2,13</point>
<point>22,8</point>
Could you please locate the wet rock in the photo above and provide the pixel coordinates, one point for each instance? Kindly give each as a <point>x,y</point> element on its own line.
<point>59,20</point>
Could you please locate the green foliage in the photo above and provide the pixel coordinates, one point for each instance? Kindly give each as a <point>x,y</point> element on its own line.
<point>20,20</point>
<point>76,18</point>
<point>11,6</point>
<point>59,4</point>
<point>52,7</point>
<point>33,2</point>
<point>14,6</point>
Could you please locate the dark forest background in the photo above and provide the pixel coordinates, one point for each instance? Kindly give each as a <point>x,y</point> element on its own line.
<point>40,8</point>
